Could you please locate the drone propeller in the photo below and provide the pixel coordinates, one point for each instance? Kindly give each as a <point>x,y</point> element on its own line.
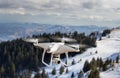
<point>68,39</point>
<point>31,40</point>
<point>83,46</point>
<point>43,39</point>
<point>64,39</point>
<point>34,40</point>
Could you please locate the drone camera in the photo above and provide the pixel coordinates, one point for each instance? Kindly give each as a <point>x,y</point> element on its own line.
<point>58,62</point>
<point>56,58</point>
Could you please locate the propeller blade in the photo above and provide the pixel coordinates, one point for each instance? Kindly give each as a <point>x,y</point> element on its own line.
<point>68,39</point>
<point>31,40</point>
<point>64,39</point>
<point>83,45</point>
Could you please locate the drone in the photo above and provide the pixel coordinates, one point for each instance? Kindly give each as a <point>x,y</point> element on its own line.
<point>55,49</point>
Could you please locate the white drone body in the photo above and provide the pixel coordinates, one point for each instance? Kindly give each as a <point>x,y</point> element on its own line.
<point>56,49</point>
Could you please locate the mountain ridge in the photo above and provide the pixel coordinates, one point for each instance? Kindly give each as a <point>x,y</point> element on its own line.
<point>9,31</point>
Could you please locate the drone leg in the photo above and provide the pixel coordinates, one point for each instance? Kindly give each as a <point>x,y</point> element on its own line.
<point>66,58</point>
<point>51,59</point>
<point>43,55</point>
<point>63,63</point>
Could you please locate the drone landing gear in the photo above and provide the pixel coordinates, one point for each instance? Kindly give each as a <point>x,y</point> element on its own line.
<point>55,58</point>
<point>43,55</point>
<point>65,64</point>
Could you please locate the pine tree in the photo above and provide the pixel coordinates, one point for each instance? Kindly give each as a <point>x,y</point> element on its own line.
<point>96,52</point>
<point>36,64</point>
<point>72,75</point>
<point>80,74</point>
<point>94,74</point>
<point>93,64</point>
<point>13,69</point>
<point>61,69</point>
<point>100,64</point>
<point>86,66</point>
<point>54,71</point>
<point>110,62</point>
<point>2,71</point>
<point>100,38</point>
<point>104,67</point>
<point>113,63</point>
<point>38,75</point>
<point>117,59</point>
<point>97,73</point>
<point>73,62</point>
<point>107,61</point>
<point>67,70</point>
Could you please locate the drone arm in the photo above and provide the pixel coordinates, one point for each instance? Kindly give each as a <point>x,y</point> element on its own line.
<point>43,55</point>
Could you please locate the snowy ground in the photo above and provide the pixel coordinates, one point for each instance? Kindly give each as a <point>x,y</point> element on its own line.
<point>112,72</point>
<point>107,47</point>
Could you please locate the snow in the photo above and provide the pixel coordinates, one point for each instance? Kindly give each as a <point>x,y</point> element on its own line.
<point>112,72</point>
<point>108,47</point>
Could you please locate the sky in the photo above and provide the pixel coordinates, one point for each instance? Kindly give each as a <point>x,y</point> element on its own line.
<point>67,12</point>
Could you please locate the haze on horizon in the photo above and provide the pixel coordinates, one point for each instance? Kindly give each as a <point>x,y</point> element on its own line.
<point>69,12</point>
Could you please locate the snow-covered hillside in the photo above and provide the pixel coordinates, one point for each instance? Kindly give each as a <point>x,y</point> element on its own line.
<point>112,72</point>
<point>108,47</point>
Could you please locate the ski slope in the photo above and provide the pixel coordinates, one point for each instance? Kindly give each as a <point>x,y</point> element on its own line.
<point>108,47</point>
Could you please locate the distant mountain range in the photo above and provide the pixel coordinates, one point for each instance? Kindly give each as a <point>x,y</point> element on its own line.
<point>9,31</point>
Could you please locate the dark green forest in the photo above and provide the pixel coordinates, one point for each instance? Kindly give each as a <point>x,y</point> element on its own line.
<point>19,58</point>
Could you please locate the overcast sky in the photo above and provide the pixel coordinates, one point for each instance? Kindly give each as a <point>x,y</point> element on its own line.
<point>68,12</point>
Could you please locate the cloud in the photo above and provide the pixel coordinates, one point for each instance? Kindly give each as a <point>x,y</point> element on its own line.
<point>91,4</point>
<point>72,9</point>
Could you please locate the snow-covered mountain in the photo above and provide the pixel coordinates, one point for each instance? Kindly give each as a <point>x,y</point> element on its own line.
<point>108,47</point>
<point>10,31</point>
